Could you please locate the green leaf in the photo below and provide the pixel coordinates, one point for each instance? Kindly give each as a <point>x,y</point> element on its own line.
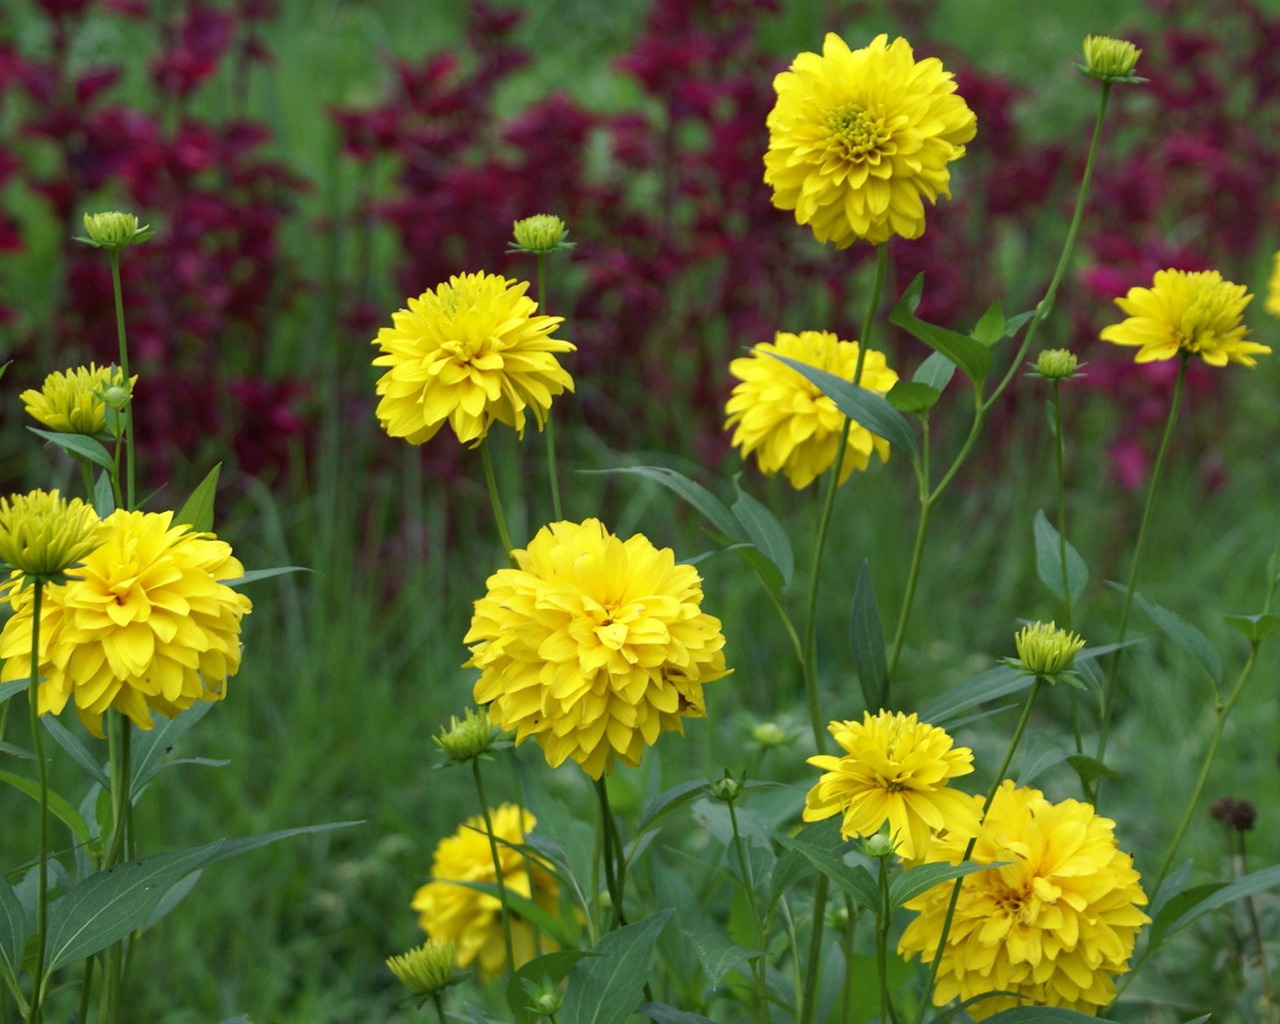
<point>769,574</point>
<point>522,906</point>
<point>664,803</point>
<point>1183,910</point>
<point>150,747</point>
<point>253,575</point>
<point>59,806</point>
<point>607,988</point>
<point>12,689</point>
<point>662,1013</point>
<point>104,498</point>
<point>79,445</point>
<point>1185,635</point>
<point>1253,627</point>
<point>1049,562</point>
<point>1000,681</point>
<point>1014,324</point>
<point>1089,768</point>
<point>717,953</point>
<point>970,355</point>
<point>913,397</point>
<point>1044,1015</point>
<point>868,642</point>
<point>553,965</point>
<point>197,510</point>
<point>860,404</point>
<point>855,880</point>
<point>990,327</point>
<point>14,927</point>
<point>911,883</point>
<point>711,507</point>
<point>69,742</point>
<point>936,372</point>
<point>792,865</point>
<point>765,531</point>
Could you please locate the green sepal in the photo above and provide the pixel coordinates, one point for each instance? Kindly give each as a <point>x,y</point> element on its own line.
<point>969,354</point>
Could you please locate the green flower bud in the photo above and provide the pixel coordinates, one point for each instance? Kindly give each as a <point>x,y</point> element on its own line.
<point>113,230</point>
<point>878,845</point>
<point>541,233</point>
<point>42,535</point>
<point>545,998</point>
<point>467,739</point>
<point>1111,60</point>
<point>727,789</point>
<point>1056,364</point>
<point>1045,650</point>
<point>426,969</point>
<point>769,734</point>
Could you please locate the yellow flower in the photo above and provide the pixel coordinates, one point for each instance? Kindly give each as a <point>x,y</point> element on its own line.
<point>146,626</point>
<point>71,402</point>
<point>857,137</point>
<point>594,645</point>
<point>42,534</point>
<point>1186,313</point>
<point>1110,59</point>
<point>1273,287</point>
<point>473,919</point>
<point>425,969</point>
<point>1054,925</point>
<point>467,738</point>
<point>471,352</point>
<point>787,422</point>
<point>895,768</point>
<point>1045,650</point>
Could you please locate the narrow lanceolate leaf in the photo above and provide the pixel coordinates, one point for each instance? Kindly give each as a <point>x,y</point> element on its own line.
<point>197,510</point>
<point>868,642</point>
<point>151,747</point>
<point>663,1013</point>
<point>915,881</point>
<point>14,927</point>
<point>694,493</point>
<point>79,753</point>
<point>860,404</point>
<point>12,689</point>
<point>253,575</point>
<point>1193,904</point>
<point>969,354</point>
<point>1049,562</point>
<point>59,806</point>
<point>854,880</point>
<point>913,397</point>
<point>766,533</point>
<point>78,445</point>
<point>1000,681</point>
<point>936,372</point>
<point>607,988</point>
<point>1044,1015</point>
<point>1185,635</point>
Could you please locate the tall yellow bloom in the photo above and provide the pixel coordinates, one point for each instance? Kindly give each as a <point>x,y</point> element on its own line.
<point>71,401</point>
<point>1189,313</point>
<point>1054,925</point>
<point>896,769</point>
<point>858,138</point>
<point>471,919</point>
<point>782,418</point>
<point>594,645</point>
<point>146,625</point>
<point>472,352</point>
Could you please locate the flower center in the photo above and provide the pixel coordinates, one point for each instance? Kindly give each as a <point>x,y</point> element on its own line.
<point>1012,901</point>
<point>857,134</point>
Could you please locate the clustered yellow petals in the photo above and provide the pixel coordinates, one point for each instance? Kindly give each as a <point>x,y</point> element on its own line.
<point>471,919</point>
<point>426,968</point>
<point>858,138</point>
<point>594,645</point>
<point>894,769</point>
<point>1054,925</point>
<point>1046,650</point>
<point>114,230</point>
<point>1273,287</point>
<point>541,233</point>
<point>146,625</point>
<point>468,737</point>
<point>471,352</point>
<point>1110,59</point>
<point>1187,313</point>
<point>73,401</point>
<point>42,534</point>
<point>786,421</point>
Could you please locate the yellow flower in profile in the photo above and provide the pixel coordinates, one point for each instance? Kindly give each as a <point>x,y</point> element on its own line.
<point>782,418</point>
<point>858,138</point>
<point>895,768</point>
<point>1112,60</point>
<point>1054,925</point>
<point>426,968</point>
<point>43,535</point>
<point>472,920</point>
<point>71,401</point>
<point>1273,287</point>
<point>594,645</point>
<point>470,353</point>
<point>146,625</point>
<point>1187,313</point>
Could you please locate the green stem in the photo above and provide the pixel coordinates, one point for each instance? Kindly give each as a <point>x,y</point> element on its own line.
<point>119,746</point>
<point>809,993</point>
<point>917,554</point>
<point>438,1001</point>
<point>1060,458</point>
<point>1109,692</point>
<point>549,427</point>
<point>749,886</point>
<point>118,292</point>
<point>491,482</point>
<point>615,864</point>
<point>42,778</point>
<point>497,867</point>
<point>888,1014</point>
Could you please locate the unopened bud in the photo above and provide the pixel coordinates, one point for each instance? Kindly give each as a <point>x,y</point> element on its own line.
<point>541,233</point>
<point>1111,60</point>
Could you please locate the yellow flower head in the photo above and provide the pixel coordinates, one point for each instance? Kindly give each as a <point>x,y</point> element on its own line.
<point>43,534</point>
<point>858,137</point>
<point>471,352</point>
<point>146,625</point>
<point>1045,650</point>
<point>1112,60</point>
<point>425,969</point>
<point>1273,287</point>
<point>787,422</point>
<point>72,402</point>
<point>473,919</point>
<point>1190,313</point>
<point>467,738</point>
<point>1055,924</point>
<point>895,768</point>
<point>594,645</point>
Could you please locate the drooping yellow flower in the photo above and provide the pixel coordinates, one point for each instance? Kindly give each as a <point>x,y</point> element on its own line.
<point>1186,312</point>
<point>858,138</point>
<point>787,422</point>
<point>594,645</point>
<point>1273,287</point>
<point>1055,924</point>
<point>42,534</point>
<point>145,626</point>
<point>896,769</point>
<point>473,919</point>
<point>71,401</point>
<point>471,352</point>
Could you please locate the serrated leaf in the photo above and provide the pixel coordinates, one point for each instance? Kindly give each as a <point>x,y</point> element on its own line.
<point>554,965</point>
<point>1049,562</point>
<point>607,988</point>
<point>990,327</point>
<point>854,880</point>
<point>197,510</point>
<point>868,642</point>
<point>914,881</point>
<point>860,404</point>
<point>936,372</point>
<point>1185,635</point>
<point>59,806</point>
<point>69,742</point>
<point>78,445</point>
<point>14,927</point>
<point>711,507</point>
<point>913,397</point>
<point>766,533</point>
<point>972,357</point>
<point>1254,627</point>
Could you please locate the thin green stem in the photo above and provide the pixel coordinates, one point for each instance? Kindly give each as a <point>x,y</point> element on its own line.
<point>438,1001</point>
<point>917,554</point>
<point>809,992</point>
<point>42,780</point>
<point>1060,465</point>
<point>118,292</point>
<point>549,428</point>
<point>119,747</point>
<point>749,886</point>
<point>1148,514</point>
<point>498,875</point>
<point>888,1013</point>
<point>615,864</point>
<point>499,519</point>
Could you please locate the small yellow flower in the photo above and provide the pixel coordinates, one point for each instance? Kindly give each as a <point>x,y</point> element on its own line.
<point>895,768</point>
<point>75,401</point>
<point>1045,650</point>
<point>1111,60</point>
<point>470,353</point>
<point>114,230</point>
<point>1186,313</point>
<point>42,535</point>
<point>472,919</point>
<point>427,968</point>
<point>1054,925</point>
<point>594,646</point>
<point>146,625</point>
<point>1273,287</point>
<point>468,738</point>
<point>858,138</point>
<point>782,418</point>
<point>541,233</point>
